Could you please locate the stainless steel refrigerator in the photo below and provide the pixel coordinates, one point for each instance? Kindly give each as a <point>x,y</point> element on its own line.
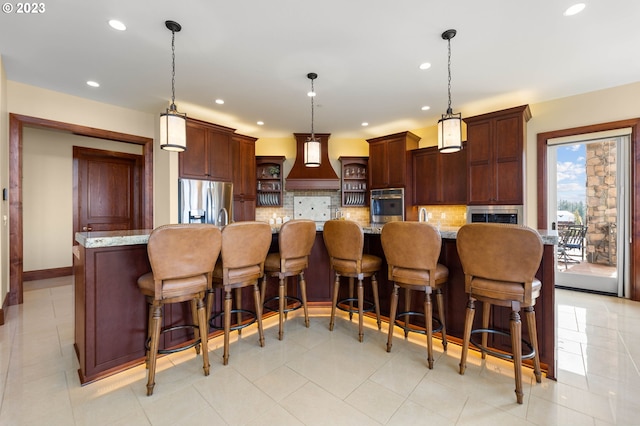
<point>204,201</point>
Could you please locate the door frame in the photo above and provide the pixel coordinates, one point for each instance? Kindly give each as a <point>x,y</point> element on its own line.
<point>16,123</point>
<point>634,194</point>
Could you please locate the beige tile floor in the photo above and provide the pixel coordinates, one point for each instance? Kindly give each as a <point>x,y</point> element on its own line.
<point>317,377</point>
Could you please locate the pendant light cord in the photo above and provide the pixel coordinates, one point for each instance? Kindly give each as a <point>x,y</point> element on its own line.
<point>313,96</point>
<point>449,110</point>
<point>173,71</point>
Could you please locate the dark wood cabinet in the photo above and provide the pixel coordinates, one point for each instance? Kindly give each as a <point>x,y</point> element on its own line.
<point>353,181</point>
<point>269,177</point>
<point>243,152</point>
<point>495,156</point>
<point>208,155</point>
<point>439,178</point>
<point>389,160</point>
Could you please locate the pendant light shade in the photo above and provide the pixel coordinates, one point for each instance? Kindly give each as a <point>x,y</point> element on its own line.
<point>450,125</point>
<point>173,124</point>
<point>312,145</point>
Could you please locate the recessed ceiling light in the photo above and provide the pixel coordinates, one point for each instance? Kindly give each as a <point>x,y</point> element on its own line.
<point>425,108</point>
<point>575,9</point>
<point>220,101</point>
<point>365,124</point>
<point>93,83</point>
<point>117,25</point>
<point>311,94</point>
<point>425,66</point>
<point>260,123</point>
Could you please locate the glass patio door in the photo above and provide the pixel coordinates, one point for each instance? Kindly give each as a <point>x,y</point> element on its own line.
<point>588,181</point>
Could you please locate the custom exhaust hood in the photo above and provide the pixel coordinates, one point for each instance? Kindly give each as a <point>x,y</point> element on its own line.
<point>312,178</point>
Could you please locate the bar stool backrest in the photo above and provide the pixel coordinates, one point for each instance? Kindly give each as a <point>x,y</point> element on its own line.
<point>245,245</point>
<point>344,240</point>
<point>411,245</point>
<point>499,252</point>
<point>295,243</point>
<point>183,250</point>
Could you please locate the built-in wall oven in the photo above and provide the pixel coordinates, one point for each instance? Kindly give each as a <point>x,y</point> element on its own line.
<point>495,214</point>
<point>386,205</point>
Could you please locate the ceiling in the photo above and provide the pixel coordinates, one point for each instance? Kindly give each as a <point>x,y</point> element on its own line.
<point>256,54</point>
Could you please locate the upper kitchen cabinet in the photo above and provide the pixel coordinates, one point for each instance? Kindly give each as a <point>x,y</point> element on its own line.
<point>439,178</point>
<point>389,161</point>
<point>269,176</point>
<point>208,154</point>
<point>495,156</point>
<point>243,151</point>
<point>354,181</point>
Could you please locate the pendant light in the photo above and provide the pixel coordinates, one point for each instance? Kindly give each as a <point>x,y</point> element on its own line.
<point>173,124</point>
<point>312,145</point>
<point>450,125</point>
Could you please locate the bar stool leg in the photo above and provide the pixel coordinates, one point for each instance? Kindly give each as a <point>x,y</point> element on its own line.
<point>256,299</point>
<point>486,314</point>
<point>533,336</point>
<point>303,294</point>
<point>428,321</point>
<point>441,316</point>
<point>227,325</point>
<point>202,324</point>
<point>281,300</point>
<point>336,288</point>
<point>156,324</point>
<point>376,299</point>
<point>360,310</point>
<point>516,346</point>
<point>196,321</point>
<point>350,298</point>
<point>407,308</point>
<point>468,323</point>
<point>239,306</point>
<point>392,315</point>
<point>263,289</point>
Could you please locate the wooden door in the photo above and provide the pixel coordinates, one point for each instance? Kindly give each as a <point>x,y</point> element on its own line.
<point>107,190</point>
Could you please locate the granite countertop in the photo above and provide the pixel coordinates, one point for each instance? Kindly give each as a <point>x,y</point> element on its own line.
<point>141,236</point>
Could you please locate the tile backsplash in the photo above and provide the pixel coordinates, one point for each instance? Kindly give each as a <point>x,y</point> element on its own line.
<point>360,214</point>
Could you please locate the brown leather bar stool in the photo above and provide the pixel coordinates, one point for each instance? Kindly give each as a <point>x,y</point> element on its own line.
<point>244,248</point>
<point>182,258</point>
<point>344,240</point>
<point>295,242</point>
<point>412,250</point>
<point>500,262</point>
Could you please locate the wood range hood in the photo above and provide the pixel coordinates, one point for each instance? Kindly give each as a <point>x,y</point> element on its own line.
<point>312,178</point>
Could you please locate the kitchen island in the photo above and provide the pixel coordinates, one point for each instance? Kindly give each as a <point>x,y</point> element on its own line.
<point>111,313</point>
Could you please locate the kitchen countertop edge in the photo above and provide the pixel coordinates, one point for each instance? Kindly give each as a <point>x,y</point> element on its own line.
<point>100,239</point>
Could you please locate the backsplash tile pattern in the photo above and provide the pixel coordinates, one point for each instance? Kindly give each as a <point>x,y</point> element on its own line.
<point>359,214</point>
<point>445,215</point>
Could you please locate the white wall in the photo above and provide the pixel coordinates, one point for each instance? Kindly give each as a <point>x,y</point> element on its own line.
<point>47,194</point>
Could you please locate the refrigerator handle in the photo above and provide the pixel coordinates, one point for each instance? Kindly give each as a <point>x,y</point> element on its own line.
<point>225,216</point>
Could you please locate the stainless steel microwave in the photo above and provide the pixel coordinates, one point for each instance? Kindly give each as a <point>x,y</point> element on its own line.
<point>386,205</point>
<point>496,214</point>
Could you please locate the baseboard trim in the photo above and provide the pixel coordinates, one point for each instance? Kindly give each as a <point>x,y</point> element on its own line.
<point>42,274</point>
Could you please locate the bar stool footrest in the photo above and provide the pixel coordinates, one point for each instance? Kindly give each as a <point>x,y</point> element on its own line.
<point>296,305</point>
<point>402,325</point>
<point>252,315</point>
<point>496,353</point>
<point>180,348</point>
<point>368,306</point>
